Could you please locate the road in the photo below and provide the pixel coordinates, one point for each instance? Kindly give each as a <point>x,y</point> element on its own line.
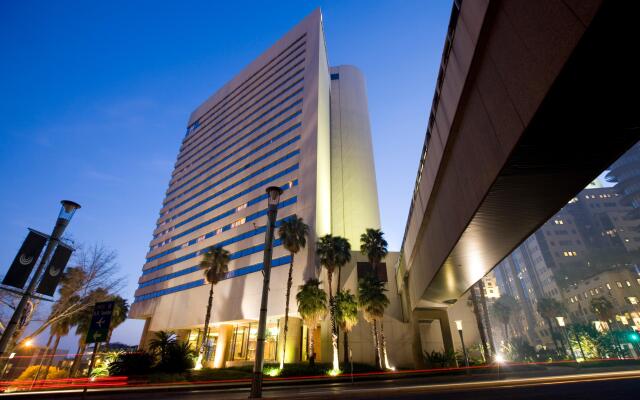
<point>609,385</point>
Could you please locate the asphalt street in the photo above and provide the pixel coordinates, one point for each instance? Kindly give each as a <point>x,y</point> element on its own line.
<point>602,385</point>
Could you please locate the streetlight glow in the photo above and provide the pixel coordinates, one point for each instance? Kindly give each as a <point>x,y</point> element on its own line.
<point>458,324</point>
<point>499,358</point>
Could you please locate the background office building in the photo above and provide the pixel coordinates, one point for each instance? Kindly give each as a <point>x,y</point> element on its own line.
<point>287,120</point>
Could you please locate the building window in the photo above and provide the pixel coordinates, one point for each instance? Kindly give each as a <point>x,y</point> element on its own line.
<point>558,222</point>
<point>608,286</point>
<point>238,222</point>
<point>335,77</point>
<point>241,207</point>
<point>632,300</point>
<point>619,284</point>
<point>628,283</point>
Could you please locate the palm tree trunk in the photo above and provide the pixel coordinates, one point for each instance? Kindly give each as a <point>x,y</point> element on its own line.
<point>374,331</point>
<point>206,320</point>
<point>82,346</point>
<point>334,335</point>
<point>50,360</point>
<point>479,322</point>
<point>286,312</point>
<point>383,346</point>
<point>346,348</point>
<point>485,313</point>
<point>310,354</point>
<point>44,356</point>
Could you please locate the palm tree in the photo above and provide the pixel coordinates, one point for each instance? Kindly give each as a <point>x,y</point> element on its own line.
<point>293,233</point>
<point>70,285</point>
<point>346,316</point>
<point>214,263</point>
<point>162,342</point>
<point>334,252</point>
<point>82,321</point>
<point>603,308</point>
<point>504,308</point>
<point>312,306</point>
<point>549,309</point>
<point>58,329</point>
<point>373,302</point>
<point>476,307</point>
<point>118,315</point>
<point>374,246</point>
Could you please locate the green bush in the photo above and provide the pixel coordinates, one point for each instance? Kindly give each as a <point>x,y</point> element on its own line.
<point>179,357</point>
<point>30,373</point>
<point>131,364</point>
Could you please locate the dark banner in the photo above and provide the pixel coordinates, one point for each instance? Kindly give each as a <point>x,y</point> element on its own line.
<point>25,260</point>
<point>53,274</point>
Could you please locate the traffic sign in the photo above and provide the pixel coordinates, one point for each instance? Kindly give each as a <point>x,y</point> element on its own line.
<point>100,321</point>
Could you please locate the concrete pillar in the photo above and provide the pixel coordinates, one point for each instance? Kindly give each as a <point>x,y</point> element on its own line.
<point>146,335</point>
<point>225,335</point>
<point>293,339</point>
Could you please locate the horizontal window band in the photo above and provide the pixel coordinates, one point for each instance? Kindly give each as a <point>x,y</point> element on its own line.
<point>232,153</point>
<point>218,217</point>
<point>229,275</point>
<point>218,231</point>
<point>240,181</point>
<point>212,139</point>
<point>239,93</point>
<point>240,169</point>
<point>227,242</point>
<point>259,185</point>
<point>207,131</point>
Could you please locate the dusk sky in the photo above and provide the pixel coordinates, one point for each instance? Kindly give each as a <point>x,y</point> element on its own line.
<point>96,96</point>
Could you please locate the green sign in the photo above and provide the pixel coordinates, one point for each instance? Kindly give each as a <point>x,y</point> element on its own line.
<point>100,321</point>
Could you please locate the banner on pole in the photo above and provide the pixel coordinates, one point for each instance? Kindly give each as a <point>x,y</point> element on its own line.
<point>25,260</point>
<point>100,321</point>
<point>53,274</point>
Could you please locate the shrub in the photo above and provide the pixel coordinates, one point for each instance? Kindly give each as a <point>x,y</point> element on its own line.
<point>30,373</point>
<point>179,357</point>
<point>127,364</point>
<point>441,359</point>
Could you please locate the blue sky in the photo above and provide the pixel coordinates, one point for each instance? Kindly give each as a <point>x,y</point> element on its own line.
<point>96,95</point>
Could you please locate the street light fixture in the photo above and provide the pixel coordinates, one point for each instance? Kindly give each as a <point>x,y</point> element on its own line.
<point>563,334</point>
<point>464,349</point>
<point>66,212</point>
<point>273,198</point>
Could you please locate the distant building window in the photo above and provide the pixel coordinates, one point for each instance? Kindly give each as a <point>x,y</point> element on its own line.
<point>238,222</point>
<point>619,284</point>
<point>632,300</point>
<point>335,77</point>
<point>558,222</point>
<point>628,283</point>
<point>608,286</point>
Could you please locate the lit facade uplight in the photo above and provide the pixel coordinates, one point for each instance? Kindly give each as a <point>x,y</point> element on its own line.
<point>458,324</point>
<point>560,321</point>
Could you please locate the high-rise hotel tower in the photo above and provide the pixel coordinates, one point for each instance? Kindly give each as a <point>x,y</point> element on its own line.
<point>288,120</point>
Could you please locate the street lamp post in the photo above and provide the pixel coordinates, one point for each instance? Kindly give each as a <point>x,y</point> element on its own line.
<point>464,349</point>
<point>273,198</point>
<point>66,212</point>
<point>564,334</point>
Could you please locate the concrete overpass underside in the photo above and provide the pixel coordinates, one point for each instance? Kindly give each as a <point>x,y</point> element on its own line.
<point>534,99</point>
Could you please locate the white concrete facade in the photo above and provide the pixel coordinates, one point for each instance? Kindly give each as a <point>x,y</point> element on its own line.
<point>284,120</point>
